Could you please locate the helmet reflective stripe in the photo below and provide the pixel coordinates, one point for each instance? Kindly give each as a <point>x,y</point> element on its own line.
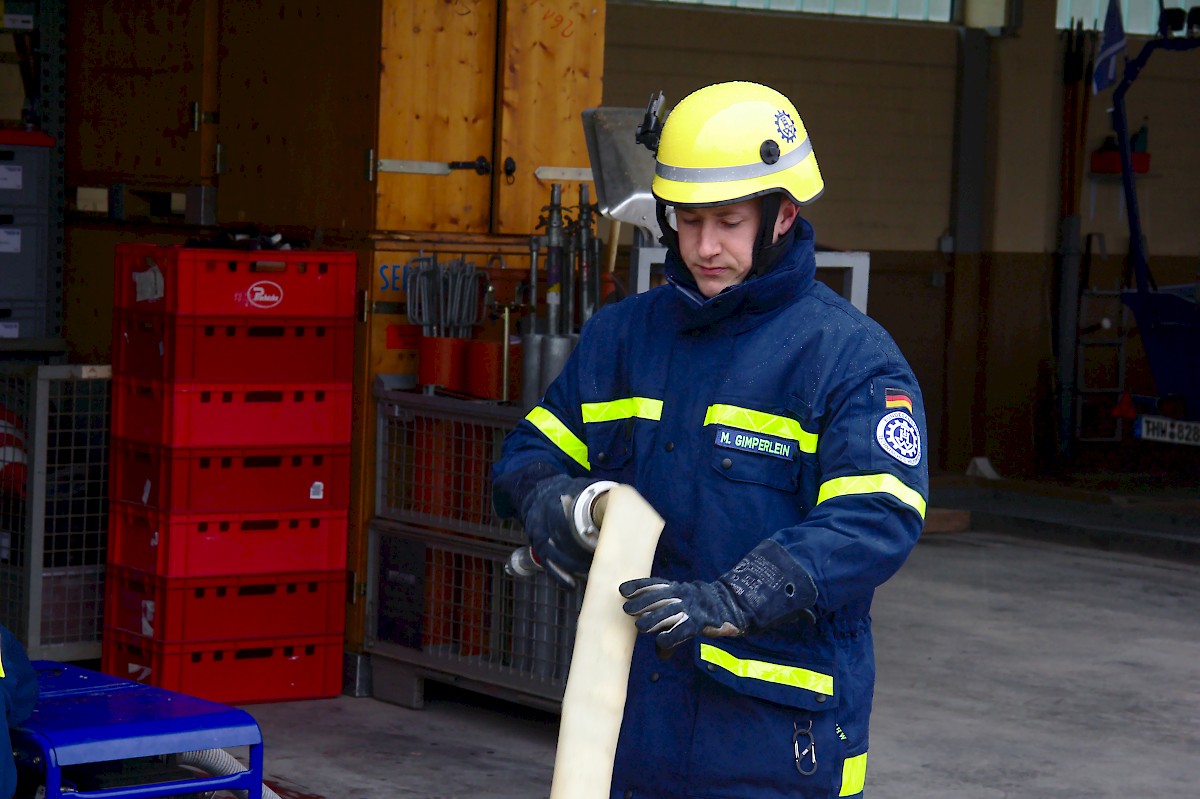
<point>721,174</point>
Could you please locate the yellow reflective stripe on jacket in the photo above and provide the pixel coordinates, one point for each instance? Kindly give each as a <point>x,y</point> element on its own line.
<point>854,775</point>
<point>560,435</point>
<point>759,422</point>
<point>872,484</point>
<point>634,407</point>
<point>794,676</point>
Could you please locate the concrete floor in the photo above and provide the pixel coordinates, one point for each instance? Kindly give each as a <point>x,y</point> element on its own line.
<point>1008,667</point>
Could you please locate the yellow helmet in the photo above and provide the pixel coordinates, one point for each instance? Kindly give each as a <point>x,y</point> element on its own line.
<point>733,141</point>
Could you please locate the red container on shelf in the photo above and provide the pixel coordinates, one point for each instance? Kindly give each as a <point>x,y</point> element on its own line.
<point>232,350</point>
<point>224,608</point>
<point>230,478</point>
<point>259,283</point>
<point>222,544</point>
<point>250,670</point>
<point>231,414</point>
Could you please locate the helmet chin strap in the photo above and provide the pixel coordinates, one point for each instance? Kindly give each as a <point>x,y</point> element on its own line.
<point>766,252</point>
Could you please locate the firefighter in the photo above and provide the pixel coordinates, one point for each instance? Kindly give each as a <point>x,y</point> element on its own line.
<point>781,435</point>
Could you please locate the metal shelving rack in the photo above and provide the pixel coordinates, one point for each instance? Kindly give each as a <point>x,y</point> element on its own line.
<point>52,26</point>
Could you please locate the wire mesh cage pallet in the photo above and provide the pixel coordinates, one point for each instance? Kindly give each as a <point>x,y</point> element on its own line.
<point>54,506</point>
<point>443,605</point>
<point>434,463</point>
<point>441,602</point>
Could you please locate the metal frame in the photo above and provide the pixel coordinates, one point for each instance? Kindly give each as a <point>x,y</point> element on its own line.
<point>52,581</point>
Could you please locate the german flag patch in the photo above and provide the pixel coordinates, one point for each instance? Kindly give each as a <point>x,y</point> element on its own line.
<point>896,398</point>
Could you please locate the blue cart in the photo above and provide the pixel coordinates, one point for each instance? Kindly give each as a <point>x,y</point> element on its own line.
<point>94,736</point>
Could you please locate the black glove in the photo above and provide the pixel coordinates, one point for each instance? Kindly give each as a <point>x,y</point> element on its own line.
<point>679,611</point>
<point>546,514</point>
<point>767,587</point>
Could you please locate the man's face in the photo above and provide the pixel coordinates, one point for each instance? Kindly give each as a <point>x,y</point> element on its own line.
<point>717,243</point>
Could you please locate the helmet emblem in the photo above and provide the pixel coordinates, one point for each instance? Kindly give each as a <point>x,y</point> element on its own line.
<point>785,126</point>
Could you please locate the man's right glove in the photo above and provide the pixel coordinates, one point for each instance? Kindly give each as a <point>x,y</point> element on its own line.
<point>546,514</point>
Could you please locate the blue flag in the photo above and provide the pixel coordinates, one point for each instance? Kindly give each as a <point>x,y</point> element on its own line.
<point>1111,45</point>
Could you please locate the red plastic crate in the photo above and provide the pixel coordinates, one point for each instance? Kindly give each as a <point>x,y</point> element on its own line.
<point>231,414</point>
<point>217,544</point>
<point>208,282</point>
<point>231,478</point>
<point>195,609</point>
<point>232,350</point>
<point>230,672</point>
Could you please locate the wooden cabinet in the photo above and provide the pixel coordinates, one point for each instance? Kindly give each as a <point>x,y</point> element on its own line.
<point>363,116</point>
<point>141,86</point>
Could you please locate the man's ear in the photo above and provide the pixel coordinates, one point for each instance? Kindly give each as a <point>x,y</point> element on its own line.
<point>788,211</point>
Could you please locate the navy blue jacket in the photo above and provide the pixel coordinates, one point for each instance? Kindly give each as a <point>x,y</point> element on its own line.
<point>774,409</point>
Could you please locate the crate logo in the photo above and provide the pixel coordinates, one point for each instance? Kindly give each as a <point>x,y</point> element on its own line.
<point>264,294</point>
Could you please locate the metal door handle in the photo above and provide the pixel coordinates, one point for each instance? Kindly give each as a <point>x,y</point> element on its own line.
<point>481,165</point>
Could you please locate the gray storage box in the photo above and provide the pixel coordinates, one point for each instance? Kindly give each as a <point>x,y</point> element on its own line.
<point>24,255</point>
<point>24,172</point>
<point>26,319</point>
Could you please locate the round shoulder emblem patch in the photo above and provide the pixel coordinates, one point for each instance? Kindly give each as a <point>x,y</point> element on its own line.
<point>899,437</point>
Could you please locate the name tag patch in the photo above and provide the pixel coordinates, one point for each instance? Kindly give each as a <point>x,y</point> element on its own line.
<point>782,448</point>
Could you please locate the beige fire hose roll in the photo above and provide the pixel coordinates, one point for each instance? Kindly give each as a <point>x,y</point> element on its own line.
<point>594,701</point>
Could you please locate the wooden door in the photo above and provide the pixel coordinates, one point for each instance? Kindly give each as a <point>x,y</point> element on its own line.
<point>436,106</point>
<point>141,79</point>
<point>298,93</point>
<point>552,70</point>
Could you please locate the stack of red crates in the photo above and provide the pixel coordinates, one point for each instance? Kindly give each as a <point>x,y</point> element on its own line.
<point>229,471</point>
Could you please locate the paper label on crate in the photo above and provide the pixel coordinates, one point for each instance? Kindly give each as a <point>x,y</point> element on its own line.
<point>18,22</point>
<point>10,329</point>
<point>146,493</point>
<point>317,490</point>
<point>138,672</point>
<point>147,617</point>
<point>12,177</point>
<point>10,239</point>
<point>148,285</point>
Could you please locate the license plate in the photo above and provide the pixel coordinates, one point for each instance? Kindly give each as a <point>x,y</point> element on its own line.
<point>1171,431</point>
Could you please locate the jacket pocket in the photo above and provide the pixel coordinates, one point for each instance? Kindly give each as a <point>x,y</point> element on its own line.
<point>767,677</point>
<point>610,446</point>
<point>763,447</point>
<point>764,726</point>
<point>749,458</point>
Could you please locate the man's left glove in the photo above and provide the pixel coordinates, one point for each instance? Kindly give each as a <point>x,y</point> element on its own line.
<point>546,515</point>
<point>765,588</point>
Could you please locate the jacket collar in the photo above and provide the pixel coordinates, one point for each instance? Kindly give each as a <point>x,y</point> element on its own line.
<point>749,304</point>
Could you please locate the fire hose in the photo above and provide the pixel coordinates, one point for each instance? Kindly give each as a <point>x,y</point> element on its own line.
<point>623,529</point>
